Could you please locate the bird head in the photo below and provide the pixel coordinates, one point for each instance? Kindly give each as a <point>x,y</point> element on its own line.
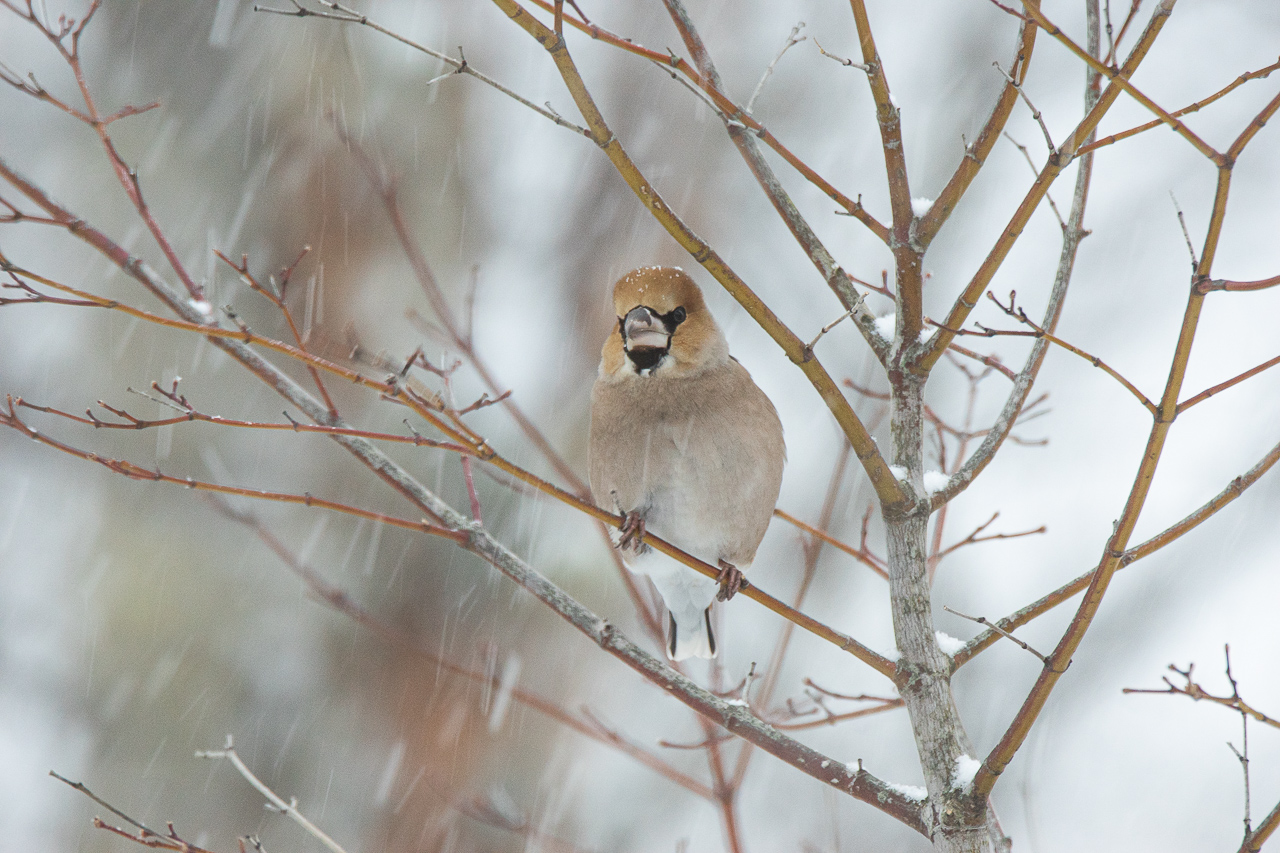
<point>664,327</point>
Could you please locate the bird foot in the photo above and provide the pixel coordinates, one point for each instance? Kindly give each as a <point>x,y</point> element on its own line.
<point>731,580</point>
<point>632,528</point>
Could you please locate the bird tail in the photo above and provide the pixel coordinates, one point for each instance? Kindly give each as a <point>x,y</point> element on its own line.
<point>694,639</point>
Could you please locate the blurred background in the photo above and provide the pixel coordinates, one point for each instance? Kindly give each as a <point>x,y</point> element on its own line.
<point>139,623</point>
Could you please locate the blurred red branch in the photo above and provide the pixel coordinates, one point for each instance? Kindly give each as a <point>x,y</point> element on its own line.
<point>862,555</point>
<point>340,601</point>
<point>137,472</point>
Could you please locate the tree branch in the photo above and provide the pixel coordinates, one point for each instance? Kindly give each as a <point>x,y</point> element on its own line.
<point>1083,132</point>
<point>1134,131</point>
<point>727,107</point>
<point>1072,234</point>
<point>1113,554</point>
<point>1121,77</point>
<point>832,273</point>
<point>906,249</point>
<point>1222,386</point>
<point>734,718</point>
<point>1065,592</point>
<point>976,153</point>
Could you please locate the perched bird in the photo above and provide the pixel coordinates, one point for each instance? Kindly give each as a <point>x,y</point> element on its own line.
<point>684,446</point>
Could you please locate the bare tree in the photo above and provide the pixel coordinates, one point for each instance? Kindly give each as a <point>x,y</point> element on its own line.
<point>339,379</point>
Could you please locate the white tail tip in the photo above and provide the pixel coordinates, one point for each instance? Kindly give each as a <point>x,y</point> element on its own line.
<point>694,639</point>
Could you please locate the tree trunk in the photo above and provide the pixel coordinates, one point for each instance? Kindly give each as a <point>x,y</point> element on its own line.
<point>924,670</point>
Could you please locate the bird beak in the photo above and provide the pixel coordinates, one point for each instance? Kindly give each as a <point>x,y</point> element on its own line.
<point>641,328</point>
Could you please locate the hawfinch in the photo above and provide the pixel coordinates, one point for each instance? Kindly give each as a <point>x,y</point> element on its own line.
<point>684,446</point>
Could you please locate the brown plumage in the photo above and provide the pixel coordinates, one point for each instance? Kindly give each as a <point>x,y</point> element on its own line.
<point>684,443</point>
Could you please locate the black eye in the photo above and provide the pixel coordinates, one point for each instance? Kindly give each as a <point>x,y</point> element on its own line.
<point>677,317</point>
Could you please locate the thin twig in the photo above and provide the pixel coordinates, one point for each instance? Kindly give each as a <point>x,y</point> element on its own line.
<point>809,346</point>
<point>1047,196</point>
<point>145,836</point>
<point>862,555</point>
<point>82,788</point>
<point>1209,285</point>
<point>1194,691</point>
<point>973,538</point>
<point>1222,386</point>
<point>792,40</point>
<point>1035,113</point>
<point>345,15</point>
<point>289,809</point>
<point>1020,315</point>
<point>1243,753</point>
<point>1182,223</point>
<point>1242,79</point>
<point>848,63</point>
<point>982,620</point>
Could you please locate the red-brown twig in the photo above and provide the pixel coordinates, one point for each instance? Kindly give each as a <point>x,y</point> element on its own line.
<point>818,697</point>
<point>130,422</point>
<point>1210,285</point>
<point>277,299</point>
<point>144,835</point>
<point>1222,386</point>
<point>137,472</point>
<point>1195,692</point>
<point>1133,131</point>
<point>831,718</point>
<point>974,537</point>
<point>1038,332</point>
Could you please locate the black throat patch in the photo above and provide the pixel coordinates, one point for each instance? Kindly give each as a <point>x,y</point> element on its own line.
<point>646,358</point>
